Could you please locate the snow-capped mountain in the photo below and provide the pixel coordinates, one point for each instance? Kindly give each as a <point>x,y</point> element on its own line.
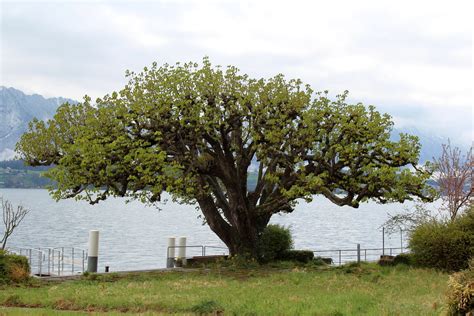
<point>16,110</point>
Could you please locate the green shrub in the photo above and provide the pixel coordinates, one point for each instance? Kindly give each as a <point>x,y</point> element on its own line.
<point>323,260</point>
<point>237,262</point>
<point>403,258</point>
<point>207,307</point>
<point>465,222</point>
<point>13,268</point>
<point>273,242</point>
<point>444,245</point>
<point>460,295</point>
<point>303,256</point>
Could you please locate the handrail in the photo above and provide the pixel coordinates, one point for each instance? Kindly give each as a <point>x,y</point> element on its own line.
<point>342,253</point>
<point>53,260</point>
<point>203,249</point>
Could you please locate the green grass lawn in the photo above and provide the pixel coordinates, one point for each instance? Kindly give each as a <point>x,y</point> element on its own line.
<point>351,290</point>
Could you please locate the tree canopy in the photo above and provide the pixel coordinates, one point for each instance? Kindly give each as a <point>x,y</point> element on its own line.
<point>195,131</point>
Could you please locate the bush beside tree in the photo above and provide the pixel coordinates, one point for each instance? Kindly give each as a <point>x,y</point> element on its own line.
<point>302,256</point>
<point>445,245</point>
<point>273,242</point>
<point>13,268</point>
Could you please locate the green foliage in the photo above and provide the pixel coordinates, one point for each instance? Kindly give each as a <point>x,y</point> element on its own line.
<point>444,245</point>
<point>303,256</point>
<point>206,307</point>
<point>20,165</point>
<point>274,241</point>
<point>13,268</point>
<point>465,221</point>
<point>237,262</point>
<point>460,295</point>
<point>322,260</point>
<point>193,130</point>
<point>403,258</point>
<point>15,174</point>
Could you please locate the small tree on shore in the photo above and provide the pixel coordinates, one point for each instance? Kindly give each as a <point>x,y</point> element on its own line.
<point>454,176</point>
<point>455,179</point>
<point>11,219</point>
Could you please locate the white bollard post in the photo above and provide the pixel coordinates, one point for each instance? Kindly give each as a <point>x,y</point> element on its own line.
<point>93,254</point>
<point>170,252</point>
<point>182,250</point>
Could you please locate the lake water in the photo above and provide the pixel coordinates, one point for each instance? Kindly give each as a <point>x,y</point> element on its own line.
<point>134,236</point>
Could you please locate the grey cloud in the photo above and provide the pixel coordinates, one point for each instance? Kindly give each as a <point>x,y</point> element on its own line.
<point>75,48</point>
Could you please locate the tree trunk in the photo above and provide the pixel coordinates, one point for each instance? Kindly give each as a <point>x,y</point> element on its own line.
<point>240,233</point>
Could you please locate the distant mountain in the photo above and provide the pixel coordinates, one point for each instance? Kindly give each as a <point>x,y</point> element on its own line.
<point>16,110</point>
<point>430,144</point>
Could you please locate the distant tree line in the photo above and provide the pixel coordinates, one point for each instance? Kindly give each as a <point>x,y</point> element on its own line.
<point>20,165</point>
<point>15,174</point>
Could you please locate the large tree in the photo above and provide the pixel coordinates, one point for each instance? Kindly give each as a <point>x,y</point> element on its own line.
<point>195,131</point>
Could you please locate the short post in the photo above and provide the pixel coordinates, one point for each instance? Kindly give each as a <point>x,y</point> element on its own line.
<point>358,253</point>
<point>401,240</point>
<point>40,258</point>
<point>170,252</point>
<point>182,250</point>
<point>93,257</point>
<point>59,263</point>
<point>62,259</point>
<point>49,261</point>
<point>383,241</point>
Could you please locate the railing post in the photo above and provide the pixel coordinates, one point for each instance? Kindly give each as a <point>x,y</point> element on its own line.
<point>40,258</point>
<point>72,259</point>
<point>358,253</point>
<point>83,260</point>
<point>339,257</point>
<point>62,259</point>
<point>59,263</point>
<point>383,241</point>
<point>31,262</point>
<point>401,240</point>
<point>49,261</point>
<point>365,254</point>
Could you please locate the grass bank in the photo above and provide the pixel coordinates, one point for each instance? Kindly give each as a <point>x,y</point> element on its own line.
<point>352,290</point>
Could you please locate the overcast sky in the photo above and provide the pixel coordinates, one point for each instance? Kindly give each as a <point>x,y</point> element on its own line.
<point>412,59</point>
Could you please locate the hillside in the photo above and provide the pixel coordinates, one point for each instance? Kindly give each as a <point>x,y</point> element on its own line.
<point>16,110</point>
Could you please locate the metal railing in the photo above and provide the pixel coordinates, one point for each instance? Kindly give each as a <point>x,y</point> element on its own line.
<point>58,261</point>
<point>202,250</point>
<point>342,256</point>
<point>338,256</point>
